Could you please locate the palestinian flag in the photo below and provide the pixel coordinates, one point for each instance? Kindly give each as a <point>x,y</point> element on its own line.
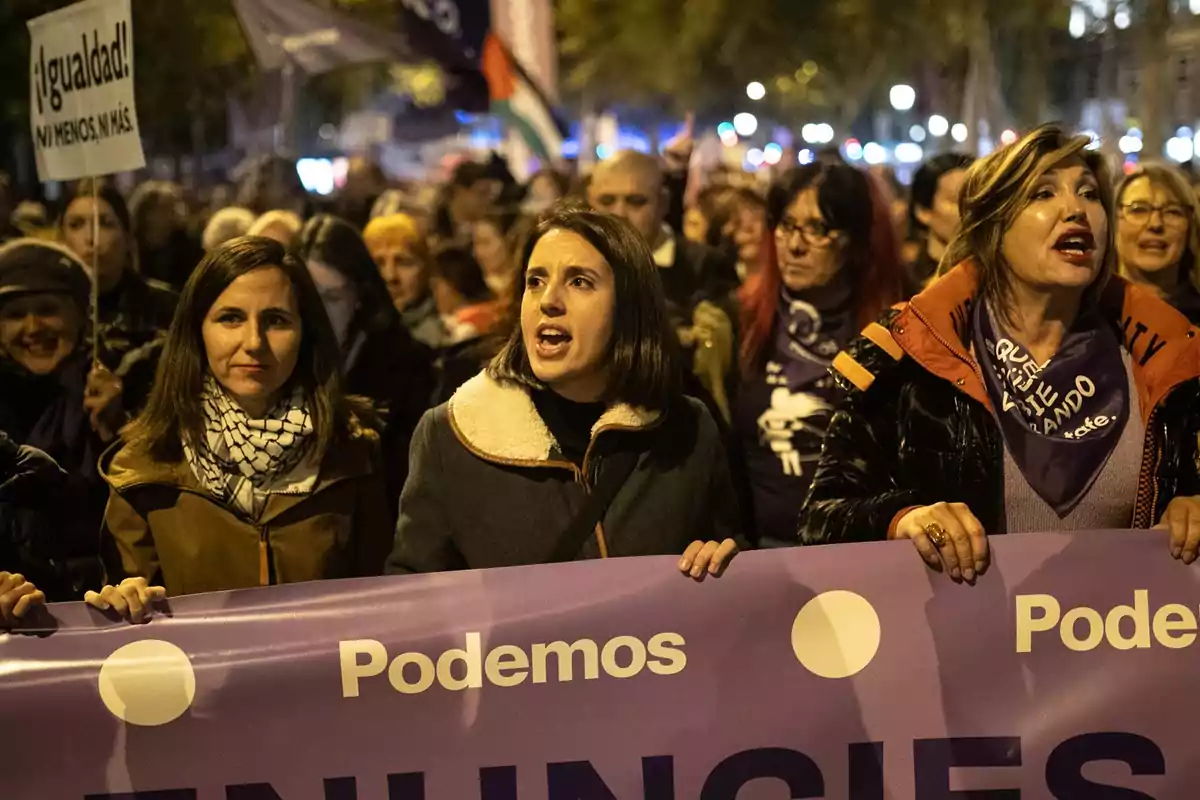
<point>516,99</point>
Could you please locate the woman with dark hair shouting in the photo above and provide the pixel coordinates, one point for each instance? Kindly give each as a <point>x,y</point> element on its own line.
<point>1027,389</point>
<point>248,466</point>
<point>830,268</point>
<point>575,442</point>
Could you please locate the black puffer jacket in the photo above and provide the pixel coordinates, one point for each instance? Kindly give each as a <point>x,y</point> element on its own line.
<point>917,427</point>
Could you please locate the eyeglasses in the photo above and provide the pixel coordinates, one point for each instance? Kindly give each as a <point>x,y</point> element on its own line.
<point>814,232</point>
<point>1173,216</point>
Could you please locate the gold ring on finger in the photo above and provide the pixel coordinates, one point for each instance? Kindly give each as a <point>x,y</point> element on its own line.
<point>936,534</point>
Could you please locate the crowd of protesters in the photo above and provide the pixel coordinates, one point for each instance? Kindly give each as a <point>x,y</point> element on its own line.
<point>618,364</point>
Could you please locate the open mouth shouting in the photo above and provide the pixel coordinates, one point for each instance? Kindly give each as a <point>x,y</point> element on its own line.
<point>552,341</point>
<point>1077,246</point>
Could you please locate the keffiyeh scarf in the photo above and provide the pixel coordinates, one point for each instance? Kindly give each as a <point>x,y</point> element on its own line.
<point>241,458</point>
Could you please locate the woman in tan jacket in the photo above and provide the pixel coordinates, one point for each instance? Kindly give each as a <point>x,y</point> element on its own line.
<point>249,466</point>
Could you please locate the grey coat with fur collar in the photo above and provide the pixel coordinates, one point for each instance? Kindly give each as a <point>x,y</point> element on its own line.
<point>487,486</point>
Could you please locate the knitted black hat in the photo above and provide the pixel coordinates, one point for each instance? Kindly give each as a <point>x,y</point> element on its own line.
<point>30,266</point>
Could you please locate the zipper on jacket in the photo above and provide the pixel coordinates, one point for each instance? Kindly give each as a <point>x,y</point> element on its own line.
<point>1143,516</point>
<point>970,362</point>
<point>264,558</point>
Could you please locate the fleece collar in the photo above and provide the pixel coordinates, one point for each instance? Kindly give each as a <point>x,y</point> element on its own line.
<point>1162,344</point>
<point>498,422</point>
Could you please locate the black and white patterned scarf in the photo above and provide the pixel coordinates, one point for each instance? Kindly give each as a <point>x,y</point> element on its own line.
<point>241,458</point>
<point>1061,420</point>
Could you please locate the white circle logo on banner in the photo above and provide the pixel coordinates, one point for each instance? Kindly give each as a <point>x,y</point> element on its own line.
<point>150,682</point>
<point>836,634</point>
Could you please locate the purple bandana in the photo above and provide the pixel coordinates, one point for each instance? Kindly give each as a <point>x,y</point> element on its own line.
<point>812,327</point>
<point>1061,420</point>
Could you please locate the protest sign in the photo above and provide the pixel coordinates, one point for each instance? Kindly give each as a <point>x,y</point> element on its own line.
<point>850,672</point>
<point>81,108</point>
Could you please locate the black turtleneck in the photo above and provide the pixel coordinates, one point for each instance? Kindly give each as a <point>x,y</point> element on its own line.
<point>570,423</point>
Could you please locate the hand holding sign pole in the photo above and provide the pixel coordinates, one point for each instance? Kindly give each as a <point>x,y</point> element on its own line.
<point>81,102</point>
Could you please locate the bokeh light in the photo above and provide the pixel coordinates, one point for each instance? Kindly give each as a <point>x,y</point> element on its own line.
<point>745,123</point>
<point>902,96</point>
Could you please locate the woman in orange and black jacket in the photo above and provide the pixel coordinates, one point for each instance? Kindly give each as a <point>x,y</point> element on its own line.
<point>1028,389</point>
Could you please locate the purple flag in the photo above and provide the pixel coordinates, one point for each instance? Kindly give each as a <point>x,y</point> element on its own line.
<point>846,671</point>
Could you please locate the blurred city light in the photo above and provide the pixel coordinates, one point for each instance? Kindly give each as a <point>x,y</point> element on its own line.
<point>959,132</point>
<point>1180,149</point>
<point>817,133</point>
<point>938,125</point>
<point>916,133</point>
<point>1130,144</point>
<point>1121,19</point>
<point>729,138</point>
<point>874,153</point>
<point>1185,132</point>
<point>909,153</point>
<point>1194,6</point>
<point>805,156</point>
<point>902,96</point>
<point>772,153</point>
<point>755,156</point>
<point>745,123</point>
<point>756,91</point>
<point>1095,137</point>
<point>604,150</point>
<point>724,129</point>
<point>1135,132</point>
<point>1008,136</point>
<point>1078,24</point>
<point>854,149</point>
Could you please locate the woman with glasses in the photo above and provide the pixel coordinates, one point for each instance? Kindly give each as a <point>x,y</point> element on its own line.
<point>1158,235</point>
<point>1028,389</point>
<point>830,267</point>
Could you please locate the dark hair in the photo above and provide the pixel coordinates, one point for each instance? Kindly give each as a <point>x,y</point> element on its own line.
<point>338,244</point>
<point>503,218</point>
<point>643,353</point>
<point>175,412</point>
<point>851,202</point>
<point>456,265</point>
<point>925,185</point>
<point>106,192</point>
<point>469,173</point>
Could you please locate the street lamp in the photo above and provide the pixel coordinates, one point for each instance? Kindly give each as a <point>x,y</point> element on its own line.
<point>756,91</point>
<point>902,96</point>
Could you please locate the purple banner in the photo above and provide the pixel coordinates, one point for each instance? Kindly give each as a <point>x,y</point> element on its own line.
<point>837,672</point>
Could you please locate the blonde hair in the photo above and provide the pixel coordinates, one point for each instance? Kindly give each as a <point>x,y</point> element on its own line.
<point>397,230</point>
<point>288,220</point>
<point>1171,179</point>
<point>999,187</point>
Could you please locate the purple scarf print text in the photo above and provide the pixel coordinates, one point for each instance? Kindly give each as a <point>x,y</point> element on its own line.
<point>840,671</point>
